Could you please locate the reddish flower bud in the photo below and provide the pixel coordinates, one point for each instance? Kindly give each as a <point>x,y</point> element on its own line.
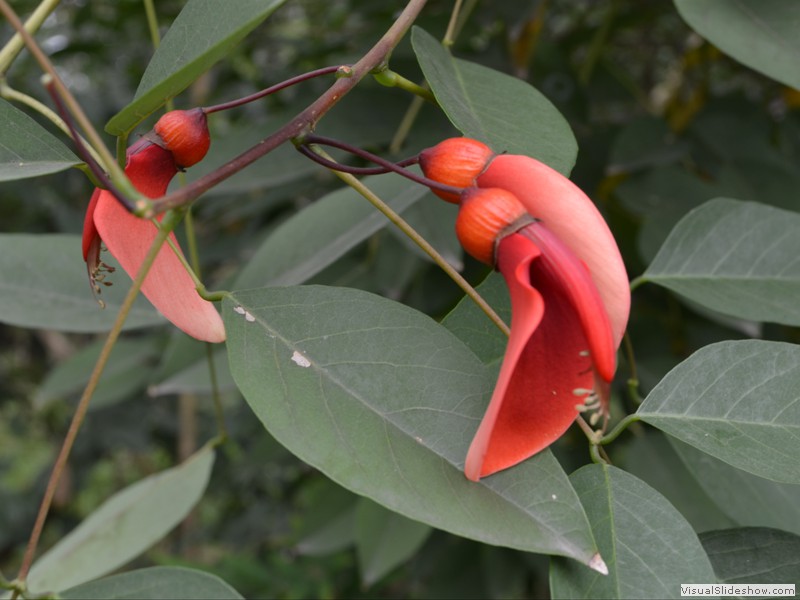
<point>485,216</point>
<point>185,135</point>
<point>456,162</point>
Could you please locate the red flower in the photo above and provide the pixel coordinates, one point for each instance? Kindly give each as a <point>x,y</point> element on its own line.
<point>180,140</point>
<point>569,299</point>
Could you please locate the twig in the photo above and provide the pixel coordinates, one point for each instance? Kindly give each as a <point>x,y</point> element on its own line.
<point>304,121</point>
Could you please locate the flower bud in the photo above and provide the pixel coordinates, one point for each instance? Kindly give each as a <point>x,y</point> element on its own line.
<point>487,215</point>
<point>185,135</point>
<point>456,162</point>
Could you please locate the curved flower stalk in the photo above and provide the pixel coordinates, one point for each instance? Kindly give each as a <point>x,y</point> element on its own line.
<point>180,139</point>
<point>569,294</point>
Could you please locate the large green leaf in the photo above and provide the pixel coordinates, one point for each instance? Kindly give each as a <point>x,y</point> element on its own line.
<point>44,285</point>
<point>27,149</point>
<point>474,328</point>
<point>650,548</point>
<point>384,401</point>
<point>125,525</point>
<point>314,238</point>
<point>761,35</point>
<point>203,33</point>
<point>754,555</point>
<point>127,371</point>
<point>196,378</point>
<point>155,583</point>
<point>737,401</point>
<point>740,495</point>
<point>384,540</point>
<point>651,458</point>
<point>506,113</point>
<point>738,258</point>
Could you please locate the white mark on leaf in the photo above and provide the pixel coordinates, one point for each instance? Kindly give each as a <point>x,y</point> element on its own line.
<point>300,360</point>
<point>247,316</point>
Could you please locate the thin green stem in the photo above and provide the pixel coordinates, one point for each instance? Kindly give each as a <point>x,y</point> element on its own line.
<point>216,397</point>
<point>620,427</point>
<point>10,93</point>
<point>591,434</point>
<point>168,223</point>
<point>389,78</point>
<point>633,380</point>
<point>15,45</point>
<point>412,234</point>
<point>456,23</point>
<point>450,35</point>
<point>108,162</point>
<point>406,124</point>
<point>594,452</point>
<point>152,23</point>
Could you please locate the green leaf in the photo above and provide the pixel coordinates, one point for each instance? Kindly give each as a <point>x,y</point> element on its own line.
<point>470,324</point>
<point>125,525</point>
<point>738,258</point>
<point>156,583</point>
<point>27,149</point>
<point>740,495</point>
<point>661,197</point>
<point>384,540</point>
<point>754,555</point>
<point>435,221</point>
<point>738,402</point>
<point>315,237</point>
<point>196,378</point>
<point>44,285</point>
<point>506,113</point>
<point>327,523</point>
<point>651,458</point>
<point>127,371</point>
<point>761,35</point>
<point>385,401</point>
<point>202,34</point>
<point>649,547</point>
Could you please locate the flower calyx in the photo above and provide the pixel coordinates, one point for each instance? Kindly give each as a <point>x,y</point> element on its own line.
<point>184,133</point>
<point>485,217</point>
<point>456,162</point>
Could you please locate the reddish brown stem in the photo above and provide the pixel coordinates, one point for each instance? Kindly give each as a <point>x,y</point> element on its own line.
<point>343,70</point>
<point>385,165</point>
<point>306,151</point>
<point>95,168</point>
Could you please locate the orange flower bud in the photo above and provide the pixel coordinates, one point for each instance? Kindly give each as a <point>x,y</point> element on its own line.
<point>485,216</point>
<point>185,135</point>
<point>456,162</point>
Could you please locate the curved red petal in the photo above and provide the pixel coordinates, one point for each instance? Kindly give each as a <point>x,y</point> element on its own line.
<point>547,368</point>
<point>579,289</point>
<point>89,230</point>
<point>497,443</point>
<point>168,286</point>
<point>572,216</point>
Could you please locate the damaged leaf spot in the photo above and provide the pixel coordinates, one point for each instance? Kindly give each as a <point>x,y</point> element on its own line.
<point>300,360</point>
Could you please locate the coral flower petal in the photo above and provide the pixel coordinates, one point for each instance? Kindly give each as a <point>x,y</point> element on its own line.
<point>553,355</point>
<point>168,286</point>
<point>574,219</point>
